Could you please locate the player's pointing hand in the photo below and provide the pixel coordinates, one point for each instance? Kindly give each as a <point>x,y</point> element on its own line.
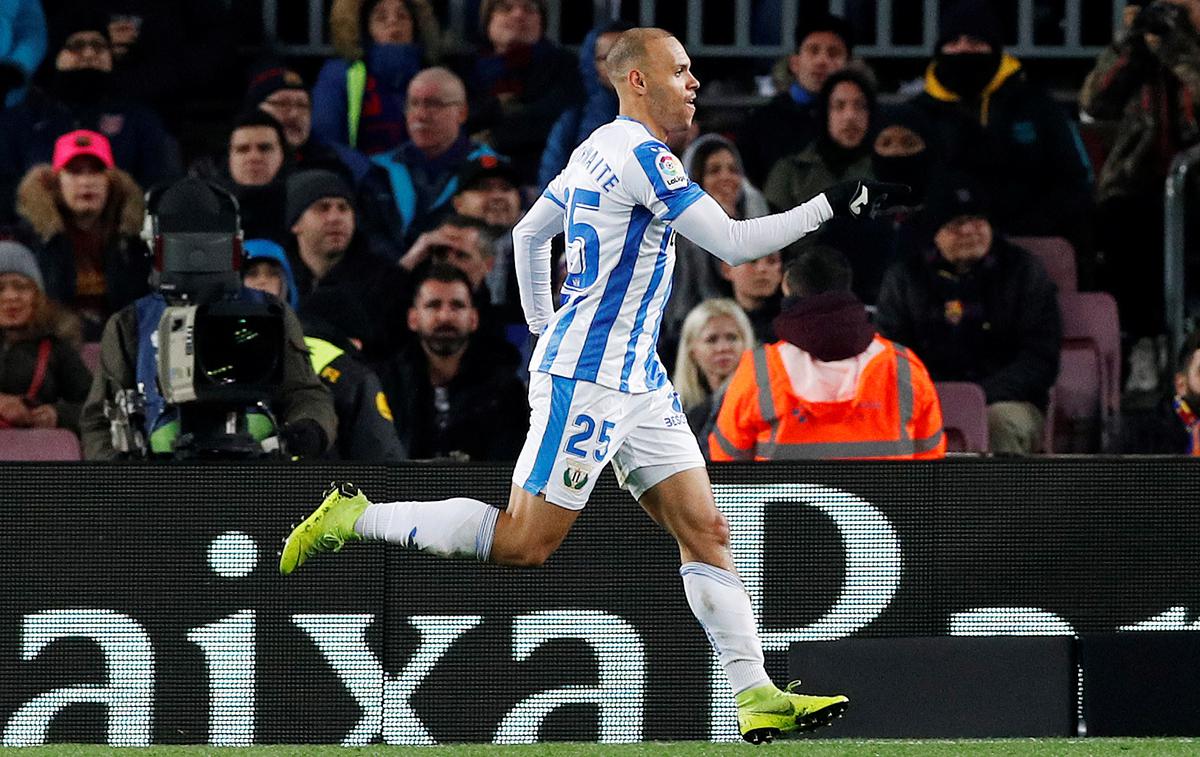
<point>865,199</point>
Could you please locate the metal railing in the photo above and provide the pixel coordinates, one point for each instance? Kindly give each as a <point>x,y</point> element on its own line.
<point>1065,16</point>
<point>1174,251</point>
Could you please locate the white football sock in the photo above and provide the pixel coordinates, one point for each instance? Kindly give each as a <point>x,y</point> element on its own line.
<point>721,604</point>
<point>457,527</point>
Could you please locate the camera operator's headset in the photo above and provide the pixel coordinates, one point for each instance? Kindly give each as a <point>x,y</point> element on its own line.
<point>152,233</point>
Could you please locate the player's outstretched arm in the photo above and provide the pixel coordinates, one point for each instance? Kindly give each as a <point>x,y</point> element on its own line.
<point>531,258</point>
<point>706,223</point>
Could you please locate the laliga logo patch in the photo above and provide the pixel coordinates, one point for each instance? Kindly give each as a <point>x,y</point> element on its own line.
<point>671,170</point>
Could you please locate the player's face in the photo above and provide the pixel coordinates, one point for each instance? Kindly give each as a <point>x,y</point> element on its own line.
<point>18,294</point>
<point>670,85</point>
<point>325,229</point>
<point>255,155</point>
<point>722,177</point>
<point>965,240</point>
<point>443,317</point>
<point>820,54</point>
<point>717,348</point>
<point>849,115</point>
<point>83,182</point>
<point>265,276</point>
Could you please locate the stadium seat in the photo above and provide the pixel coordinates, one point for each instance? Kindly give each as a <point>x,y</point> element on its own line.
<point>38,444</point>
<point>964,416</point>
<point>1057,257</point>
<point>1088,389</point>
<point>90,352</point>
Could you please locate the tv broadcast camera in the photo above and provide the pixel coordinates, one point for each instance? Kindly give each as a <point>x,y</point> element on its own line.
<point>219,357</point>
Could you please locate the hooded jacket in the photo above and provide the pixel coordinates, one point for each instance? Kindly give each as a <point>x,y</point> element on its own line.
<point>372,77</point>
<point>578,121</point>
<point>126,262</point>
<point>1014,139</point>
<point>830,388</point>
<point>22,42</point>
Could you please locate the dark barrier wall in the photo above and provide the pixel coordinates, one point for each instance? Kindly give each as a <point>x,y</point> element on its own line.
<point>142,604</point>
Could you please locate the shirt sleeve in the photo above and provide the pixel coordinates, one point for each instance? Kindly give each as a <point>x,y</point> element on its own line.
<point>531,255</point>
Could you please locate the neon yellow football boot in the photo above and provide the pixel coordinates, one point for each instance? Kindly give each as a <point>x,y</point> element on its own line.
<point>765,712</point>
<point>327,530</point>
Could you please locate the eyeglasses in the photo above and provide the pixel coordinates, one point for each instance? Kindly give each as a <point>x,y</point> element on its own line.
<point>431,103</point>
<point>302,106</point>
<point>78,46</point>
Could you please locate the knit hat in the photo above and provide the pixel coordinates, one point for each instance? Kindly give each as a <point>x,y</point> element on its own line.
<point>952,198</point>
<point>267,81</point>
<point>485,167</point>
<point>16,258</point>
<point>306,187</point>
<point>76,17</point>
<point>82,142</point>
<point>971,18</point>
<point>265,249</point>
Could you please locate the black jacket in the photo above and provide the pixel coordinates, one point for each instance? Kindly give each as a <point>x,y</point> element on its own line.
<point>488,412</point>
<point>781,127</point>
<point>364,419</point>
<point>1020,144</point>
<point>997,325</point>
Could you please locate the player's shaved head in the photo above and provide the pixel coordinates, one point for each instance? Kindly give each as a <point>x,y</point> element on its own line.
<point>630,51</point>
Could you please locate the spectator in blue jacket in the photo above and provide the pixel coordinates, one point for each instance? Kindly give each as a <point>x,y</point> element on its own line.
<point>578,122</point>
<point>80,96</point>
<point>358,100</point>
<point>22,47</point>
<point>410,188</point>
<point>266,268</point>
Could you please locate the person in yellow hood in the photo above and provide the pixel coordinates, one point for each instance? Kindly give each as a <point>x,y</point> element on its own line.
<point>1004,131</point>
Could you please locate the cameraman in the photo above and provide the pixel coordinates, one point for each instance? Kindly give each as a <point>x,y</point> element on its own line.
<point>130,352</point>
<point>1149,81</point>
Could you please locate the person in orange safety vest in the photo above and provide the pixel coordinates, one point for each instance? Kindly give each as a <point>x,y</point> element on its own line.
<point>831,387</point>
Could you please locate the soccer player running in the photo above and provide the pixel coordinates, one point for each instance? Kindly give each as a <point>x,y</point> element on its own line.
<point>597,389</point>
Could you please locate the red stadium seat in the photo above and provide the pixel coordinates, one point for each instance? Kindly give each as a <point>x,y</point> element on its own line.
<point>1088,390</point>
<point>964,416</point>
<point>39,444</point>
<point>1057,257</point>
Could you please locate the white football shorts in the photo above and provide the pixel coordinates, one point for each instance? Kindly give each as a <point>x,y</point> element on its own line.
<point>578,427</point>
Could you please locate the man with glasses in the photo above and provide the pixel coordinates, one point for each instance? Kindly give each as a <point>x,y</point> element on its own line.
<point>79,95</point>
<point>411,187</point>
<point>280,92</point>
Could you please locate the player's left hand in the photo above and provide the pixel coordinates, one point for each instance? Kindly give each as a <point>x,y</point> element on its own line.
<point>865,199</point>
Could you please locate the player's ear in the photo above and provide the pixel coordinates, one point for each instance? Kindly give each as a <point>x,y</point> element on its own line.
<point>636,80</point>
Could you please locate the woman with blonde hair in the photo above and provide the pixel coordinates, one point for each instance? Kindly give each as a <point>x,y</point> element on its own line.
<point>715,334</point>
<point>43,380</point>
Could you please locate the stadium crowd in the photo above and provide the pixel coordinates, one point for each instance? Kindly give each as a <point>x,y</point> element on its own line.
<point>378,200</point>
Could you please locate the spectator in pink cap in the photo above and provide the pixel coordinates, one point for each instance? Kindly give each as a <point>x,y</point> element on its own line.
<point>82,217</point>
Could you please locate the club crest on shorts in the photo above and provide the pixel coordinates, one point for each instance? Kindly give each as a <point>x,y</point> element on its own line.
<point>575,476</point>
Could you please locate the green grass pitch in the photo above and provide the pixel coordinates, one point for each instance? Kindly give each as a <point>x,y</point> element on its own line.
<point>808,748</point>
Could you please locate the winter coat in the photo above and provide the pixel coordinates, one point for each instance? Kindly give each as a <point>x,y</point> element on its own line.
<point>1018,143</point>
<point>67,379</point>
<point>578,121</point>
<point>22,42</point>
<point>301,396</point>
<point>801,177</point>
<point>127,262</point>
<point>1154,94</point>
<point>782,127</point>
<point>543,81</point>
<point>997,325</point>
<point>488,412</point>
<point>140,142</point>
<point>387,70</point>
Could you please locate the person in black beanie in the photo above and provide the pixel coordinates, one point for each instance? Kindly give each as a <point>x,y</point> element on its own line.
<point>328,251</point>
<point>80,95</point>
<point>1002,130</point>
